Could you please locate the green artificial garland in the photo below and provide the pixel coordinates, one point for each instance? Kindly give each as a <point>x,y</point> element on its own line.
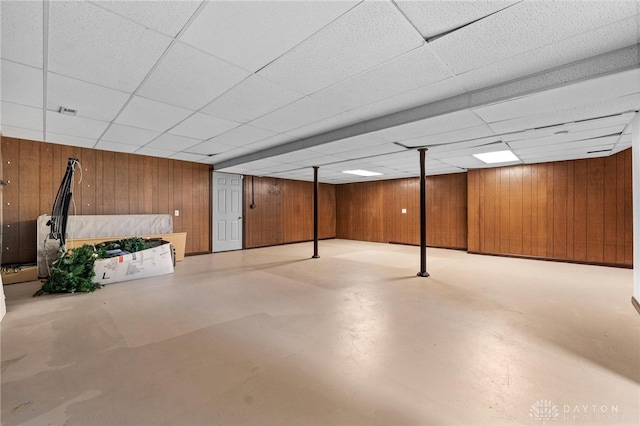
<point>72,271</point>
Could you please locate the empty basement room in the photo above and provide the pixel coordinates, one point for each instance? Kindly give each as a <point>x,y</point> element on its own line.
<point>366,212</point>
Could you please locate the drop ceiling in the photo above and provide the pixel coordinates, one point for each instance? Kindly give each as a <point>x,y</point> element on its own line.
<point>272,88</point>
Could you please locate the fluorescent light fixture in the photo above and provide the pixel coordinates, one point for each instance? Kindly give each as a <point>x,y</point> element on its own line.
<point>497,157</point>
<point>362,173</point>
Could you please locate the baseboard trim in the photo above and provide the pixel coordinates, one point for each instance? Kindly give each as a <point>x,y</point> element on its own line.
<point>428,245</point>
<point>635,304</point>
<point>286,243</point>
<point>554,259</point>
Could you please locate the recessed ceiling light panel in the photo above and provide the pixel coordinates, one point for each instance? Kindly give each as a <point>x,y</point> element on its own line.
<point>362,173</point>
<point>497,157</point>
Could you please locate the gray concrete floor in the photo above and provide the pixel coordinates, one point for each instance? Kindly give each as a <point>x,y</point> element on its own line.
<point>269,336</point>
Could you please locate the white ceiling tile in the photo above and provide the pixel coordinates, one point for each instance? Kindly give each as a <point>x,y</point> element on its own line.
<point>250,99</point>
<point>437,17</point>
<point>421,96</point>
<point>491,146</point>
<point>203,126</point>
<point>563,157</point>
<point>580,152</point>
<point>21,32</point>
<point>601,40</point>
<point>189,78</point>
<point>129,135</point>
<point>387,148</point>
<point>368,35</point>
<point>89,43</point>
<point>70,140</point>
<point>264,164</point>
<point>115,146</point>
<point>517,30</point>
<point>294,156</point>
<point>81,96</point>
<point>243,135</point>
<point>232,153</point>
<point>407,72</point>
<point>585,145</point>
<point>186,156</point>
<point>573,95</point>
<point>619,147</point>
<point>240,170</point>
<point>151,115</point>
<point>431,126</point>
<point>469,161</point>
<point>165,16</point>
<point>74,126</point>
<point>261,31</point>
<point>25,117</point>
<point>364,142</point>
<point>21,84</point>
<point>274,168</point>
<point>173,142</point>
<point>469,133</point>
<point>330,123</point>
<point>295,115</point>
<point>584,112</point>
<point>454,146</point>
<point>567,137</point>
<point>210,148</point>
<point>155,152</point>
<point>18,133</point>
<point>625,139</point>
<point>581,126</point>
<point>270,142</point>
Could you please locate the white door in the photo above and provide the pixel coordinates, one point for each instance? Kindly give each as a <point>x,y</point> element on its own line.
<point>227,212</point>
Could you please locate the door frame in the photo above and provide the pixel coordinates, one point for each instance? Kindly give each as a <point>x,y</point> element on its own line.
<point>212,209</point>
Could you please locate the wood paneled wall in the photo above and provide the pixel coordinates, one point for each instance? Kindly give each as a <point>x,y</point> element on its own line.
<point>112,183</point>
<point>571,210</point>
<point>372,211</point>
<point>283,211</point>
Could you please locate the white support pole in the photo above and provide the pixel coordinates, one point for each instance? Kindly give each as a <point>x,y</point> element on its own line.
<point>635,159</point>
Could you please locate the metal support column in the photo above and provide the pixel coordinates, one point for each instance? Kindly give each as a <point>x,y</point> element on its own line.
<point>423,216</point>
<point>315,213</point>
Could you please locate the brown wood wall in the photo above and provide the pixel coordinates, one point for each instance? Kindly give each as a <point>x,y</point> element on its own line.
<point>372,211</point>
<point>571,210</point>
<point>284,211</point>
<point>112,183</point>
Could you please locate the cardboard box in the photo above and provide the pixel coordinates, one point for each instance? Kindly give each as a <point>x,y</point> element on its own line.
<point>177,239</point>
<point>141,264</point>
<point>20,274</point>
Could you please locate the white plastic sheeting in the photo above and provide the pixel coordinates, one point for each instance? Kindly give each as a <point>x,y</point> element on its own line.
<point>92,226</point>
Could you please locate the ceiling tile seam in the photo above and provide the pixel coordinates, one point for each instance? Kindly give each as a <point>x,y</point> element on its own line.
<point>406,18</point>
<point>22,63</point>
<point>151,71</point>
<point>302,95</point>
<point>470,100</point>
<point>140,24</point>
<point>45,65</point>
<point>451,75</point>
<point>89,82</point>
<point>528,52</point>
<point>299,127</point>
<point>565,123</point>
<point>626,128</point>
<point>305,40</point>
<point>446,33</point>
